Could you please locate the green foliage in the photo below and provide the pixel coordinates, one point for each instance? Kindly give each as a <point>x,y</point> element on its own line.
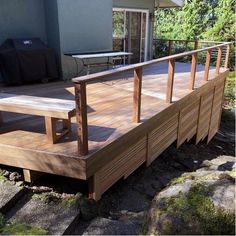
<point>2,221</point>
<point>19,229</point>
<point>22,229</point>
<point>201,19</point>
<point>230,90</point>
<point>3,178</point>
<point>187,22</point>
<point>197,212</point>
<point>223,28</point>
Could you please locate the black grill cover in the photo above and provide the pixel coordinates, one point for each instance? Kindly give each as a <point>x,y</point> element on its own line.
<point>26,60</point>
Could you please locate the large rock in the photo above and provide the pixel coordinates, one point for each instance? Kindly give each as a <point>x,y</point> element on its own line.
<point>45,211</point>
<point>9,194</point>
<point>103,226</point>
<point>201,202</point>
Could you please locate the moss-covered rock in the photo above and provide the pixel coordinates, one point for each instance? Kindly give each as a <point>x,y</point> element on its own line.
<point>201,202</point>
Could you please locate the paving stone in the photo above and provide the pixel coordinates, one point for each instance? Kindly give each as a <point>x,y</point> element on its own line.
<point>103,226</point>
<point>9,194</point>
<point>55,216</point>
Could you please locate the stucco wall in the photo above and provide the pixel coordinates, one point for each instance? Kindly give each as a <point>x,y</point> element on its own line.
<point>85,26</point>
<point>22,18</point>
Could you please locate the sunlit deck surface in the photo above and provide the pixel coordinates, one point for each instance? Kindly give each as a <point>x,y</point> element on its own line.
<point>109,109</point>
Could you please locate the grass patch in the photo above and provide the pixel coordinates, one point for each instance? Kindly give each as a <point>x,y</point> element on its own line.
<point>197,213</point>
<point>72,201</point>
<point>22,229</point>
<point>230,90</point>
<point>3,178</point>
<point>19,229</point>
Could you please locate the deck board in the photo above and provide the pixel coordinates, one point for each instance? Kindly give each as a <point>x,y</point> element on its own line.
<point>109,109</point>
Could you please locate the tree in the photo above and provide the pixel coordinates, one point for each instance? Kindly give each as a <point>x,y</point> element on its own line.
<point>201,19</point>
<point>187,22</point>
<point>223,28</point>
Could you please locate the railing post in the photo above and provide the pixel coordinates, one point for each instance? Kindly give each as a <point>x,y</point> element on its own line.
<point>196,45</point>
<point>193,71</point>
<point>227,56</point>
<point>207,65</point>
<point>170,43</point>
<point>170,82</point>
<point>81,117</point>
<point>218,62</point>
<point>138,73</point>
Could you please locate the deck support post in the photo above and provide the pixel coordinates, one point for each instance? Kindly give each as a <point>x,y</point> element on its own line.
<point>218,62</point>
<point>81,118</point>
<point>196,45</point>
<point>207,65</point>
<point>30,175</point>
<point>227,56</point>
<point>170,43</point>
<point>193,71</point>
<point>138,73</point>
<point>170,82</point>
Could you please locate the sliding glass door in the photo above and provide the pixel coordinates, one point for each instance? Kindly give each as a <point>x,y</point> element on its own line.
<point>130,30</point>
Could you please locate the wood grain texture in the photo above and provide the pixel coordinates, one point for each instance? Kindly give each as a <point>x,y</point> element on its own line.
<point>122,166</point>
<point>216,110</point>
<point>193,71</point>
<point>162,137</point>
<point>111,130</point>
<point>207,64</point>
<point>227,56</point>
<point>218,62</point>
<point>81,118</point>
<point>188,120</point>
<point>204,115</point>
<point>138,73</point>
<point>170,81</point>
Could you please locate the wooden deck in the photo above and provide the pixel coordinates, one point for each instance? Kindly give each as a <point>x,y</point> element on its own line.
<point>117,146</point>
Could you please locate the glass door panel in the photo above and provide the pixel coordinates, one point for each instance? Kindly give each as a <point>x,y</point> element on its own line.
<point>129,34</point>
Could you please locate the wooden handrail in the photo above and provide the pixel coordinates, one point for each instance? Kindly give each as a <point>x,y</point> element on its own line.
<point>80,85</point>
<point>102,75</point>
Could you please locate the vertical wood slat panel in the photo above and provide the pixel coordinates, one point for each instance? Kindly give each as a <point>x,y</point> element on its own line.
<point>193,71</point>
<point>81,118</point>
<point>227,56</point>
<point>207,65</point>
<point>218,62</point>
<point>170,82</point>
<point>137,94</point>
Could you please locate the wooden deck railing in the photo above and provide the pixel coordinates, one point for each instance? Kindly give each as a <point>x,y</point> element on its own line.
<point>81,82</point>
<point>195,44</point>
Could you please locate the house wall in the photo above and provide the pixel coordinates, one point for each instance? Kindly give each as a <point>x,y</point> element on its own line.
<point>24,18</point>
<point>85,25</point>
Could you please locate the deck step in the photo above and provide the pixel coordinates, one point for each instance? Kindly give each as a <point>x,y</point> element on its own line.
<point>57,217</point>
<point>9,195</point>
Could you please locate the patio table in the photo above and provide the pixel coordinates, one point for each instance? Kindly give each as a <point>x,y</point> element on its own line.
<point>86,59</point>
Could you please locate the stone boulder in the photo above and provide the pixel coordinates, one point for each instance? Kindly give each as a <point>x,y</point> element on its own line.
<point>200,202</point>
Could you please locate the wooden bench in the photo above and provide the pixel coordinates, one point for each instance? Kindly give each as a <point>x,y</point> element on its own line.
<point>53,110</point>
